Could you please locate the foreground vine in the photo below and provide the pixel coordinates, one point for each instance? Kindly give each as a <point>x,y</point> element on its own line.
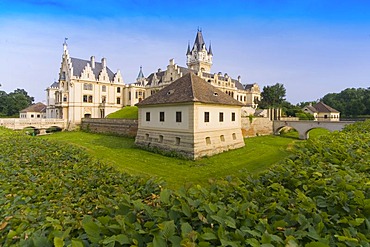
<point>53,195</point>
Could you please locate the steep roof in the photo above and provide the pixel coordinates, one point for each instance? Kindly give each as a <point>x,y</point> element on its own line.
<point>322,107</point>
<point>190,88</point>
<point>311,108</point>
<point>55,84</point>
<point>210,50</point>
<point>199,41</point>
<point>38,107</point>
<point>79,64</point>
<point>141,74</point>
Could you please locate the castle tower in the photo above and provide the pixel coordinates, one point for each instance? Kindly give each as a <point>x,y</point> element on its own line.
<point>141,78</point>
<point>199,58</point>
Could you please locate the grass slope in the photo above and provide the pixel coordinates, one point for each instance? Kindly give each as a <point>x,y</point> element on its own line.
<point>258,154</point>
<point>128,112</point>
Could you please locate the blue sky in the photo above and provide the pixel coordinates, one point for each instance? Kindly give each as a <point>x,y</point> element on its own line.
<point>312,47</point>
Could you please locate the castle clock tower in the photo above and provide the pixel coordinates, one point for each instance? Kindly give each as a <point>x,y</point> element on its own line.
<point>199,58</point>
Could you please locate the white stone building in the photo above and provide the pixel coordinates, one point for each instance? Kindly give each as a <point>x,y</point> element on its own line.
<point>322,112</point>
<point>199,61</point>
<point>35,111</point>
<point>190,117</point>
<point>85,89</point>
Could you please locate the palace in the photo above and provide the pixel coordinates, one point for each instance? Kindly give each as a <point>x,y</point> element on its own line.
<point>89,89</point>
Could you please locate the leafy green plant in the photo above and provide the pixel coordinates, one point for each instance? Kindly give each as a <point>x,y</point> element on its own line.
<point>58,195</point>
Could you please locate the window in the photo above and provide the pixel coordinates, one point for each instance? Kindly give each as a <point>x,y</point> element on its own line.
<point>90,100</point>
<point>234,136</point>
<point>208,140</point>
<point>84,98</point>
<point>233,116</point>
<point>38,115</point>
<point>136,95</point>
<point>118,100</point>
<point>222,138</point>
<point>146,137</point>
<point>206,117</point>
<point>178,117</point>
<point>221,117</point>
<point>129,95</point>
<point>87,86</point>
<point>177,140</point>
<point>161,116</point>
<point>65,99</point>
<point>160,140</point>
<point>118,89</point>
<point>103,99</point>
<point>147,116</point>
<point>32,116</point>
<point>103,88</point>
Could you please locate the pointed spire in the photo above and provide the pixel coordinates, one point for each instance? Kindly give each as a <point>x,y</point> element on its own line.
<point>188,51</point>
<point>210,49</point>
<point>140,75</point>
<point>65,49</point>
<point>199,41</point>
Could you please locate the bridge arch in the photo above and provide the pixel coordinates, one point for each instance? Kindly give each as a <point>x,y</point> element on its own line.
<point>307,133</point>
<point>303,127</point>
<point>53,128</point>
<point>31,130</point>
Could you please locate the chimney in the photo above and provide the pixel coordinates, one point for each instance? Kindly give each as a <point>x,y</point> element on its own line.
<point>92,60</point>
<point>172,61</point>
<point>104,62</point>
<point>239,77</point>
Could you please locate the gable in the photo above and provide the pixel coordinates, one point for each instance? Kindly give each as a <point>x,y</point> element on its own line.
<point>79,66</point>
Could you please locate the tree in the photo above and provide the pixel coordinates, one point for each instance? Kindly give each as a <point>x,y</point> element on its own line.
<point>272,96</point>
<point>12,103</point>
<point>350,102</point>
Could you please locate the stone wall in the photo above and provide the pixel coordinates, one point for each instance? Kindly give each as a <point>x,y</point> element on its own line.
<point>127,127</point>
<point>121,127</point>
<point>256,126</point>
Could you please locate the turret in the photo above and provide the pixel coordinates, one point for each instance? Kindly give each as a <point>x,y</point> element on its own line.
<point>140,77</point>
<point>199,58</point>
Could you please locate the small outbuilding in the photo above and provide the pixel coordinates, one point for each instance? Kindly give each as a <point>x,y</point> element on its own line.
<point>322,112</point>
<point>190,117</point>
<point>37,110</point>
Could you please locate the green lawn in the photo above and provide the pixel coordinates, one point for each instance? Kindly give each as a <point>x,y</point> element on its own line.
<point>314,133</point>
<point>258,154</point>
<point>127,112</point>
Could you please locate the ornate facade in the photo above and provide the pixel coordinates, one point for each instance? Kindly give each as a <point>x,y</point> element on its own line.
<point>199,61</point>
<point>87,88</point>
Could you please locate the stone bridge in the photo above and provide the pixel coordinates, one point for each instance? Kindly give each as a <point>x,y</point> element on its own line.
<point>303,127</point>
<point>41,124</point>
